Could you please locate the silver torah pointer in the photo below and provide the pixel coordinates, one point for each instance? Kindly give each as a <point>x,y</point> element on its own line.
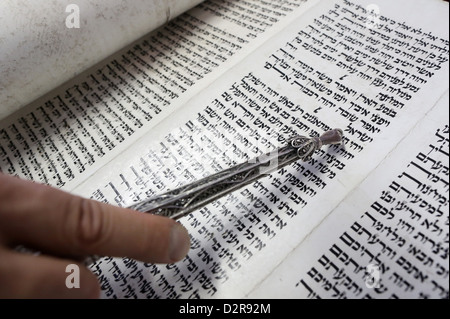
<point>181,201</point>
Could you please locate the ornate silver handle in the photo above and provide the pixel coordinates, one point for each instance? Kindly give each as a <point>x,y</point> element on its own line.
<point>181,201</point>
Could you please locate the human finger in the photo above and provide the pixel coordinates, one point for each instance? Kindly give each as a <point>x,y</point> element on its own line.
<point>57,222</point>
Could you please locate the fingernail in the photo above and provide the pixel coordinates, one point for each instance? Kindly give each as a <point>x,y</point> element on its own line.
<point>180,243</point>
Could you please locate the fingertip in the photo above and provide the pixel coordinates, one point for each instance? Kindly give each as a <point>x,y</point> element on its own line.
<point>180,243</point>
<point>76,282</point>
<point>87,286</point>
<point>92,288</point>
